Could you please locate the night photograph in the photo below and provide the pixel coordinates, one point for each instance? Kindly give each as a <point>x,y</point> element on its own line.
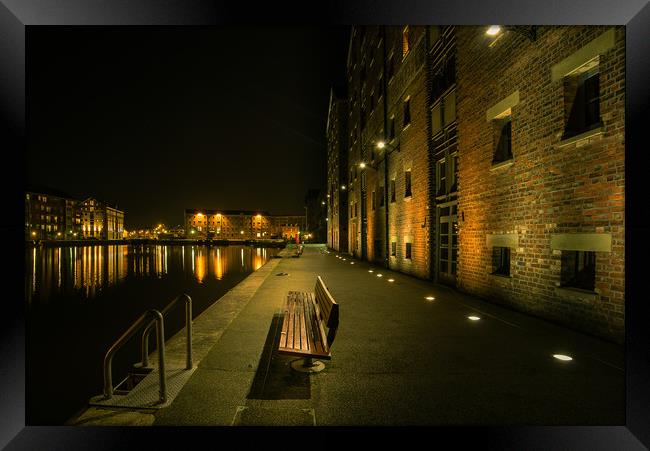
<point>312,227</point>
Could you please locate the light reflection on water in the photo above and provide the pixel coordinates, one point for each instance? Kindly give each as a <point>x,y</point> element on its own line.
<point>86,270</point>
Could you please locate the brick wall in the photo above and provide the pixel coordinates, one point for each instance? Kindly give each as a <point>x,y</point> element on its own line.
<point>553,186</point>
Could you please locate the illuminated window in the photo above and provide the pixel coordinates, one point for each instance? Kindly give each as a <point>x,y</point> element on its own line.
<point>405,41</point>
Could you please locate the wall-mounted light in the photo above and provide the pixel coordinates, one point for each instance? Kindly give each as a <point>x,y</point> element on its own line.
<point>529,31</point>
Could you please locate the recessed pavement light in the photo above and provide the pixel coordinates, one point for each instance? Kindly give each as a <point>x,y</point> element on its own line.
<point>344,259</point>
<point>391,280</point>
<point>429,298</point>
<point>566,358</point>
<point>352,263</point>
<point>370,270</point>
<point>380,275</point>
<point>474,318</point>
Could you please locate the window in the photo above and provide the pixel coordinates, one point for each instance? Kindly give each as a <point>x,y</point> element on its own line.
<point>582,100</point>
<point>578,269</point>
<point>393,248</point>
<point>381,196</point>
<point>380,88</point>
<point>405,41</point>
<point>435,31</point>
<point>441,174</point>
<point>453,173</point>
<point>408,251</point>
<point>391,67</point>
<point>392,190</point>
<point>391,128</point>
<point>503,135</point>
<point>407,112</point>
<point>443,113</point>
<point>501,260</point>
<point>372,201</point>
<point>407,183</point>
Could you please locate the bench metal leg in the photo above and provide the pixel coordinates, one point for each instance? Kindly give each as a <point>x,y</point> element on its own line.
<point>308,365</point>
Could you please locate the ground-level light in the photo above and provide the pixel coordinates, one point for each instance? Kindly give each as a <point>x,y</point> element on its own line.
<point>430,298</point>
<point>562,357</point>
<point>391,280</point>
<point>493,30</point>
<point>474,318</point>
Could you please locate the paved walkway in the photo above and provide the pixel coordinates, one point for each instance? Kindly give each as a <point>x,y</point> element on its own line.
<point>399,359</point>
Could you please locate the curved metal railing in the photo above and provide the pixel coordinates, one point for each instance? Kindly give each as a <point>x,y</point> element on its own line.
<point>160,338</point>
<point>188,327</point>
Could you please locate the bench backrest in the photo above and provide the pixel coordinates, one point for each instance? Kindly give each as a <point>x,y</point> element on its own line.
<point>328,309</point>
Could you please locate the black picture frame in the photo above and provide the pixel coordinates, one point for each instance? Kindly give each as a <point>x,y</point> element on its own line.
<point>17,15</point>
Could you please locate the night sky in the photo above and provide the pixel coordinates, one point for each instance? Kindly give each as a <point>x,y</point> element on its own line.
<point>157,120</point>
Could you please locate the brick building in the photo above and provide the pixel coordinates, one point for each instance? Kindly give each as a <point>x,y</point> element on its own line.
<point>388,179</point>
<point>503,169</point>
<point>337,166</point>
<point>51,214</point>
<point>541,181</point>
<point>240,224</point>
<point>99,220</point>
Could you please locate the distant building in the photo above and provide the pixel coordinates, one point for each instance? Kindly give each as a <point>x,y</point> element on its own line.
<point>100,220</point>
<point>337,166</point>
<point>316,214</point>
<point>48,216</point>
<point>239,225</point>
<point>54,215</point>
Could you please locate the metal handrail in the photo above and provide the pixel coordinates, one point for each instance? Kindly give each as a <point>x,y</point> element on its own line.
<point>188,327</point>
<point>160,338</point>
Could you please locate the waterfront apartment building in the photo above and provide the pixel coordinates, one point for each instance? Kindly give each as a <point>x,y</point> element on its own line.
<point>501,170</point>
<point>99,220</point>
<point>337,165</point>
<point>51,215</point>
<point>240,224</point>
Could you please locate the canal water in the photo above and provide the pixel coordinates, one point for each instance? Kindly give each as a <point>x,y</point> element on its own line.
<point>80,299</point>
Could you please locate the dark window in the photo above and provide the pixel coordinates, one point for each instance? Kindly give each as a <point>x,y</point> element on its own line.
<point>408,251</point>
<point>391,134</point>
<point>501,260</point>
<point>407,184</point>
<point>391,67</point>
<point>407,112</point>
<point>442,178</point>
<point>372,201</point>
<point>434,33</point>
<point>582,102</point>
<point>578,269</point>
<point>380,88</point>
<point>392,190</point>
<point>381,196</point>
<point>503,149</point>
<point>393,248</point>
<point>453,173</point>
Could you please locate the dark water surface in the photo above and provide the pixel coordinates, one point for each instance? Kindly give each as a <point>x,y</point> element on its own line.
<point>79,300</point>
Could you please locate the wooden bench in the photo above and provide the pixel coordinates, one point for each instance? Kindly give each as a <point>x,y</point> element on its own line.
<point>306,316</point>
